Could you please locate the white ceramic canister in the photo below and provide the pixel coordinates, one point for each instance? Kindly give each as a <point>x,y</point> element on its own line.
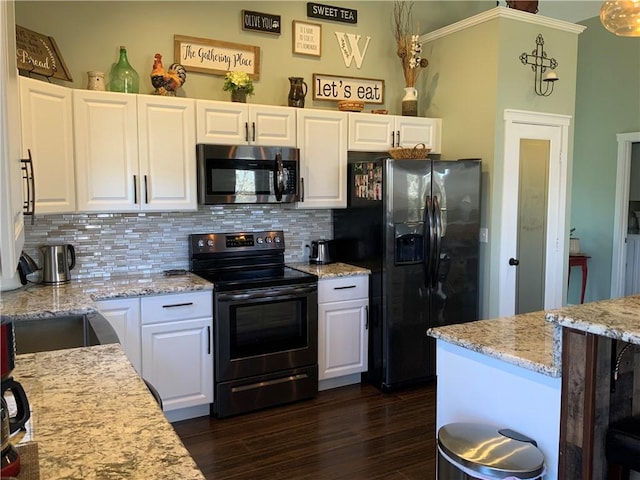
<point>95,80</point>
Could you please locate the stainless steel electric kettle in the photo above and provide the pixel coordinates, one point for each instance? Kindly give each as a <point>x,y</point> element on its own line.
<point>321,252</point>
<point>57,260</point>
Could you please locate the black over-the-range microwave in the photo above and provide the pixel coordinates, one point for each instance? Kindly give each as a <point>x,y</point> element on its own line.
<point>247,174</point>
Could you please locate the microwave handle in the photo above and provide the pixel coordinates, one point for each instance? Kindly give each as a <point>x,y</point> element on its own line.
<point>278,177</point>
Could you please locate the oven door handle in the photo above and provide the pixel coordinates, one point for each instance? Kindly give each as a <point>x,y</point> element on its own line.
<point>267,293</point>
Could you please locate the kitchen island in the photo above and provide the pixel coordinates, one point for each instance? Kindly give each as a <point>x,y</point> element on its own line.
<point>547,375</point>
<point>93,417</point>
<point>503,372</point>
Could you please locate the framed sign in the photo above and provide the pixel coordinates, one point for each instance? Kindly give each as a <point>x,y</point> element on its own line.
<point>260,22</point>
<point>307,38</point>
<point>333,87</point>
<point>36,53</point>
<point>214,56</point>
<point>328,12</point>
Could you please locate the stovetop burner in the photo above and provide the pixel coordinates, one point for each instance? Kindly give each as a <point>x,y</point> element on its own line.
<point>243,260</point>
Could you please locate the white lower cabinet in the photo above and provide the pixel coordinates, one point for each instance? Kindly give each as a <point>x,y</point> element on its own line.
<point>124,316</point>
<point>167,338</point>
<point>343,330</point>
<point>177,348</point>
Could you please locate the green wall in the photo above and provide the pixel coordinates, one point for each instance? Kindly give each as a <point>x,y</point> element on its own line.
<point>474,75</point>
<point>607,103</point>
<point>89,34</point>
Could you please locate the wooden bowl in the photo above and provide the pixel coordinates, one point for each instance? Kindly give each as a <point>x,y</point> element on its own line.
<point>350,105</point>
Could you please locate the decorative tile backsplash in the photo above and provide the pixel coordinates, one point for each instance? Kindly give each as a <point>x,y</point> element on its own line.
<point>120,243</point>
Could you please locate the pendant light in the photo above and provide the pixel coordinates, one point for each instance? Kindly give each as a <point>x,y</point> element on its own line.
<point>621,17</point>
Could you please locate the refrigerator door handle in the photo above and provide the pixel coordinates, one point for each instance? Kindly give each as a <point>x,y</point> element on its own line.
<point>429,240</point>
<point>437,216</point>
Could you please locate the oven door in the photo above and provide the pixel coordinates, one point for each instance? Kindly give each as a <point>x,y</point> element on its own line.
<point>265,330</point>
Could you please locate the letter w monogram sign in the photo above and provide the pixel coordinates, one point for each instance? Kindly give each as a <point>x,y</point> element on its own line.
<point>350,47</point>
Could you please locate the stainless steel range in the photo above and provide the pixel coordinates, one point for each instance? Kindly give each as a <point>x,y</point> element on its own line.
<point>265,318</point>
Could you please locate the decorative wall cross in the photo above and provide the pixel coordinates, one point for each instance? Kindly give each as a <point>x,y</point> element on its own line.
<point>539,64</point>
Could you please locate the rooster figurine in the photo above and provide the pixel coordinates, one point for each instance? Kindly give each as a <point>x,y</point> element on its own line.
<point>166,82</point>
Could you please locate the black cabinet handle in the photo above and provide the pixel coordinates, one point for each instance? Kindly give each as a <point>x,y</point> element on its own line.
<point>514,262</point>
<point>253,124</point>
<point>146,190</point>
<point>135,189</point>
<point>398,138</point>
<point>246,131</point>
<point>366,322</point>
<point>393,138</point>
<point>208,340</point>
<point>29,205</point>
<point>345,287</point>
<point>302,189</point>
<point>175,305</point>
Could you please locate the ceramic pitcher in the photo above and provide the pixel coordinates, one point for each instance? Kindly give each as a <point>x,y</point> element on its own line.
<point>297,91</point>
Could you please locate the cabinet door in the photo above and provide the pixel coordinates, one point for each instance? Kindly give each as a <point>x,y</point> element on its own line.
<point>11,216</point>
<point>106,143</point>
<point>411,131</point>
<point>272,126</point>
<point>124,316</point>
<point>177,360</point>
<point>47,131</point>
<point>342,338</point>
<point>167,153</point>
<point>224,123</point>
<point>322,140</point>
<point>371,132</point>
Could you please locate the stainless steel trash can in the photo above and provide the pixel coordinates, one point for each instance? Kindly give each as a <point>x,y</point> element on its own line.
<point>476,451</point>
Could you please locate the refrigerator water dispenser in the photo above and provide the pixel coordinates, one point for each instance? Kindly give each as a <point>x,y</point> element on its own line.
<point>409,243</point>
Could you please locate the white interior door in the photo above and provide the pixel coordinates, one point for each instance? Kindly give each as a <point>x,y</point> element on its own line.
<point>538,143</point>
<point>619,257</point>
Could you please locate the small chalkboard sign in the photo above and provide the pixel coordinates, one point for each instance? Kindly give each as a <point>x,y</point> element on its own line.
<point>261,22</point>
<point>39,54</point>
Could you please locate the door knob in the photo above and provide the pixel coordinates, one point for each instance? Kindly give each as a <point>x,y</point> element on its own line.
<point>514,262</point>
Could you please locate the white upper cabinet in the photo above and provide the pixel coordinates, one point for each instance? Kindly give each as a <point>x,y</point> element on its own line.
<point>134,152</point>
<point>106,142</point>
<point>47,132</point>
<point>167,153</point>
<point>11,216</point>
<point>233,123</point>
<point>322,140</point>
<point>370,132</point>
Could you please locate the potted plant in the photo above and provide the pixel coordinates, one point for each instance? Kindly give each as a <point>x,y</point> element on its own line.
<point>239,84</point>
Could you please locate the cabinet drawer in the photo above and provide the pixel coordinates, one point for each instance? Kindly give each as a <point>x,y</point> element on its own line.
<point>181,306</point>
<point>343,288</point>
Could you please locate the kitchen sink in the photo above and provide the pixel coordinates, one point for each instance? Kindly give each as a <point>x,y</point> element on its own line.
<point>56,333</point>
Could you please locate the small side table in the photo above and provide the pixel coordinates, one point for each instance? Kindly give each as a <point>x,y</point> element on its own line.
<point>580,261</point>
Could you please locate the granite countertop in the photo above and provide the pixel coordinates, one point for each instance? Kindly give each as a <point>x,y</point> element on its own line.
<point>330,270</point>
<point>525,340</point>
<point>93,417</point>
<point>78,296</point>
<point>617,318</point>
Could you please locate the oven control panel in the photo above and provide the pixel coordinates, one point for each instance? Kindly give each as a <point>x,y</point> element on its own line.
<point>270,240</point>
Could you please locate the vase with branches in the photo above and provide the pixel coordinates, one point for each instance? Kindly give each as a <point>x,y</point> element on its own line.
<point>409,48</point>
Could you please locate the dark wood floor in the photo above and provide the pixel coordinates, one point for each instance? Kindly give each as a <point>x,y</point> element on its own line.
<point>353,432</point>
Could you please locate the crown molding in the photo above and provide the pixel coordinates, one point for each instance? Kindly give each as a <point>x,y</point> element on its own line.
<point>502,12</point>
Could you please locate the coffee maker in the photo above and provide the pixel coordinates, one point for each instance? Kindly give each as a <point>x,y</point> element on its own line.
<point>10,424</point>
<point>8,384</point>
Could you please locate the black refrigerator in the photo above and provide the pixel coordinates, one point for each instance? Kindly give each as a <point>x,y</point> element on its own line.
<point>415,224</point>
